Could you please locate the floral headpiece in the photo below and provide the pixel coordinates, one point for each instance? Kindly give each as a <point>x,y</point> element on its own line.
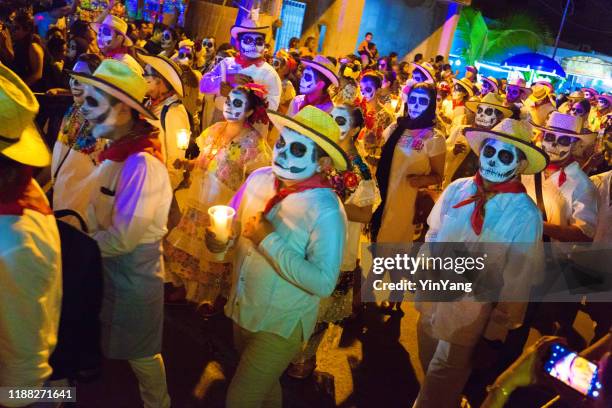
<point>259,112</point>
<point>372,73</point>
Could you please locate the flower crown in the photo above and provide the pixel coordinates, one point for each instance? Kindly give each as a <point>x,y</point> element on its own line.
<point>259,114</point>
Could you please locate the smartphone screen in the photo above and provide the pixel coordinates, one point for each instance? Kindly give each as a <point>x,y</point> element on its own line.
<point>573,370</point>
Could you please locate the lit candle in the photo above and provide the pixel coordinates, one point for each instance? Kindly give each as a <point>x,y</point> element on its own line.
<point>182,139</point>
<point>221,221</point>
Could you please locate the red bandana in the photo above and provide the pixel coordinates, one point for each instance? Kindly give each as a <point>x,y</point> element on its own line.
<point>562,176</point>
<point>116,51</point>
<point>481,197</point>
<point>29,197</point>
<point>315,181</point>
<point>457,104</point>
<point>140,139</point>
<point>247,62</point>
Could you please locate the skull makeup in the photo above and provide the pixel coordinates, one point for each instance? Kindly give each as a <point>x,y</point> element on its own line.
<point>309,81</point>
<point>487,116</point>
<point>108,38</point>
<point>76,88</point>
<point>498,161</point>
<point>104,115</point>
<point>72,50</point>
<point>368,89</point>
<point>168,40</point>
<point>418,75</point>
<point>294,156</point>
<point>587,94</point>
<point>486,88</point>
<point>418,101</point>
<point>602,104</point>
<point>185,56</point>
<point>513,93</point>
<point>252,45</point>
<point>577,109</point>
<point>342,116</point>
<point>558,147</point>
<point>236,105</point>
<point>208,46</point>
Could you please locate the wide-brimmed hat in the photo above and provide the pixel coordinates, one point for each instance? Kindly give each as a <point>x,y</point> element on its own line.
<point>576,96</point>
<point>120,81</point>
<point>465,84</point>
<point>545,83</point>
<point>426,69</point>
<point>515,132</point>
<point>539,92</point>
<point>318,126</point>
<point>492,81</point>
<point>248,26</point>
<point>565,124</point>
<point>490,99</point>
<point>19,138</point>
<point>167,68</point>
<point>116,24</point>
<point>593,91</point>
<point>520,83</point>
<point>324,66</point>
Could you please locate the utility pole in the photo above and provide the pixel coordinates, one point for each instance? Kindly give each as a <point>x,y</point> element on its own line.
<point>561,28</point>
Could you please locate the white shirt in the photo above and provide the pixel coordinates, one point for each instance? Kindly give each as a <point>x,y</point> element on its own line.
<point>511,218</point>
<point>603,231</point>
<point>279,283</point>
<point>365,195</point>
<point>133,209</point>
<point>176,118</point>
<point>574,203</point>
<point>265,74</point>
<point>30,299</point>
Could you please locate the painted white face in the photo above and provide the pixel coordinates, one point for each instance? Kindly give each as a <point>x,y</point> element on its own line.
<point>72,50</point>
<point>418,75</point>
<point>185,56</point>
<point>418,101</point>
<point>487,116</point>
<point>368,89</point>
<point>308,83</point>
<point>108,39</point>
<point>236,106</point>
<point>486,88</point>
<point>342,116</point>
<point>252,45</point>
<point>602,104</point>
<point>167,40</point>
<point>513,93</point>
<point>103,116</point>
<point>498,161</point>
<point>293,157</point>
<point>588,94</point>
<point>558,147</point>
<point>577,110</point>
<point>76,88</point>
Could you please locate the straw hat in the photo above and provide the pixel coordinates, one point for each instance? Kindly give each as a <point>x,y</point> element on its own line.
<point>318,126</point>
<point>19,138</point>
<point>515,132</point>
<point>167,68</point>
<point>426,69</point>
<point>247,26</point>
<point>324,66</point>
<point>565,124</point>
<point>576,96</point>
<point>490,99</point>
<point>493,82</point>
<point>465,84</point>
<point>120,81</point>
<point>117,24</point>
<point>520,83</point>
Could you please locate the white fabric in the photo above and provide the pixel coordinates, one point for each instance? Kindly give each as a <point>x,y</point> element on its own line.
<point>453,161</point>
<point>509,218</point>
<point>129,61</point>
<point>574,203</point>
<point>151,374</point>
<point>176,118</point>
<point>365,195</point>
<point>265,74</point>
<point>137,212</point>
<point>603,231</point>
<point>30,299</point>
<point>279,284</point>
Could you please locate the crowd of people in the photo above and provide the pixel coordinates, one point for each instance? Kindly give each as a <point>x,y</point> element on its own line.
<point>119,138</point>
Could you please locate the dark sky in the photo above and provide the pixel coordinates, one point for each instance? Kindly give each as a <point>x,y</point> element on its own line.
<point>590,23</point>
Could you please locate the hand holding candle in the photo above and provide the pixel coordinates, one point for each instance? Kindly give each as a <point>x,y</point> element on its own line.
<point>221,217</point>
<point>182,139</point>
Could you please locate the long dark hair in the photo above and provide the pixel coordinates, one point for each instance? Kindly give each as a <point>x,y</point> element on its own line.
<point>425,120</point>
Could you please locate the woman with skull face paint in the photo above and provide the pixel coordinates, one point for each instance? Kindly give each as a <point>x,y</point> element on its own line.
<point>285,66</point>
<point>493,207</point>
<point>229,152</point>
<point>319,74</point>
<point>169,40</point>
<point>599,115</point>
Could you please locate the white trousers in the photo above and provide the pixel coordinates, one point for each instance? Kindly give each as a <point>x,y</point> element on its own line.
<point>151,375</point>
<point>447,368</point>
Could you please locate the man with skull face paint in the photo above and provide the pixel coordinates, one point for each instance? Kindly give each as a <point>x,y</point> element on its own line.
<point>287,256</point>
<point>169,40</point>
<point>114,42</point>
<point>127,215</point>
<point>285,65</point>
<point>205,54</point>
<point>599,116</point>
<point>489,85</point>
<point>516,93</point>
<point>316,79</point>
<point>490,207</point>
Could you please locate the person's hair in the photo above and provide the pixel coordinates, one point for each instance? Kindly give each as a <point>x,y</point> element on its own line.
<point>446,67</point>
<point>79,28</point>
<point>374,76</point>
<point>586,105</point>
<point>294,42</point>
<point>159,27</point>
<point>368,33</point>
<point>56,45</point>
<point>387,60</point>
<point>418,57</point>
<point>92,60</point>
<point>81,45</point>
<point>309,39</point>
<point>439,58</point>
<point>224,47</point>
<point>25,20</point>
<point>139,23</point>
<point>54,32</point>
<point>357,116</point>
<point>371,46</point>
<point>256,103</point>
<point>393,54</point>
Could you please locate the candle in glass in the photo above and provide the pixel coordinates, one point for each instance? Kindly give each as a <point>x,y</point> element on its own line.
<point>182,139</point>
<point>221,221</point>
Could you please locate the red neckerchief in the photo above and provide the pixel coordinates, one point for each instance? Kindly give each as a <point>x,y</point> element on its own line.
<point>325,99</point>
<point>562,176</point>
<point>140,139</point>
<point>153,102</point>
<point>315,181</point>
<point>482,196</point>
<point>247,62</point>
<point>457,104</point>
<point>116,51</point>
<point>29,197</point>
